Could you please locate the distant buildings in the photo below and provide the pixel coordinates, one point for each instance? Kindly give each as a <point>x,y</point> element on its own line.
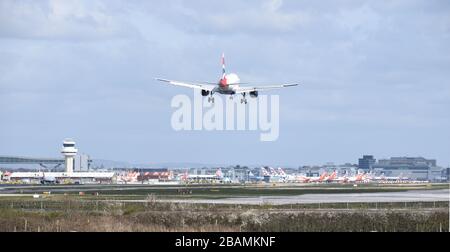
<point>82,163</point>
<point>407,161</point>
<point>414,168</point>
<point>446,174</point>
<point>366,163</point>
<point>17,162</point>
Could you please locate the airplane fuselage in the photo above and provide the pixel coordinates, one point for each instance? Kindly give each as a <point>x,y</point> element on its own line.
<point>227,85</point>
<point>226,90</point>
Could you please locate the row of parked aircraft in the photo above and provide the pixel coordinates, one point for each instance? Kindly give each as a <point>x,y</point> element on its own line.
<point>270,174</point>
<point>279,175</point>
<point>326,177</point>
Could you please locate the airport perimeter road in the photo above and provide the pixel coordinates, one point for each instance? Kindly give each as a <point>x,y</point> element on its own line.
<point>408,196</point>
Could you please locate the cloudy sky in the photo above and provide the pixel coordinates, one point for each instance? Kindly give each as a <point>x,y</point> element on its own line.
<point>375,77</point>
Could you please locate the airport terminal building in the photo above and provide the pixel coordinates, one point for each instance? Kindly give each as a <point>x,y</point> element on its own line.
<point>414,168</point>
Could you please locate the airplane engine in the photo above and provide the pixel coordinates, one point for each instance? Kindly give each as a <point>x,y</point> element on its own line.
<point>254,94</point>
<point>205,92</point>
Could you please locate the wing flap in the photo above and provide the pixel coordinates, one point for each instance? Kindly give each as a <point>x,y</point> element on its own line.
<point>263,88</point>
<point>208,87</point>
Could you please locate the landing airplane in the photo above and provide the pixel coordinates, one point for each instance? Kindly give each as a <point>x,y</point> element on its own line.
<point>227,85</point>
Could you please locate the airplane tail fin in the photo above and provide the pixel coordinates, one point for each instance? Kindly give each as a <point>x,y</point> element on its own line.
<point>219,173</point>
<point>333,175</point>
<point>264,171</point>
<point>223,65</point>
<point>323,176</point>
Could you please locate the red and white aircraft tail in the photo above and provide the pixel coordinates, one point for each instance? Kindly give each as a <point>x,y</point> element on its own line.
<point>272,171</point>
<point>219,173</point>
<point>281,172</point>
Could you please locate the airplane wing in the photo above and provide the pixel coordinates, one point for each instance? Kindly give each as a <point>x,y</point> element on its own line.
<point>203,86</point>
<point>262,88</point>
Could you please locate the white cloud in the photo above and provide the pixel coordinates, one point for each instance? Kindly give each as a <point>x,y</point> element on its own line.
<point>66,20</point>
<point>361,20</point>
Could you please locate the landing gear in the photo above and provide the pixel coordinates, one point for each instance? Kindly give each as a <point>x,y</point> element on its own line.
<point>211,99</point>
<point>231,97</point>
<point>243,100</point>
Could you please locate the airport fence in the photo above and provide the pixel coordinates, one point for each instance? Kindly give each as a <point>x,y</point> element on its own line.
<point>47,214</point>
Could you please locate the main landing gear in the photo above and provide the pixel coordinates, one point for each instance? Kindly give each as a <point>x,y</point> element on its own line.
<point>243,100</point>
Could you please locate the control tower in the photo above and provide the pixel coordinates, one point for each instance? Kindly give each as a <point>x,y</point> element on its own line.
<point>69,153</point>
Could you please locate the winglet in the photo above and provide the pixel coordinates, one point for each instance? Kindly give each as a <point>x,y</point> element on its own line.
<point>159,79</point>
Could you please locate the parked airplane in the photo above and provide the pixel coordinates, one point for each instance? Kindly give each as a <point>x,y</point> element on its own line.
<point>393,178</point>
<point>272,171</point>
<point>306,179</point>
<point>264,172</point>
<point>318,179</point>
<point>361,177</point>
<point>219,173</point>
<point>331,178</point>
<point>281,172</point>
<point>184,176</point>
<point>128,177</point>
<point>254,178</point>
<point>227,85</point>
<point>48,180</point>
<point>217,176</point>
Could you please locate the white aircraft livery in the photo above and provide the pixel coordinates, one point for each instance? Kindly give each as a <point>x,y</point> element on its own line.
<point>227,85</point>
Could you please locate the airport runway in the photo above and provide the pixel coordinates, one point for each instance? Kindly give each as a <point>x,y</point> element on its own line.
<point>407,196</point>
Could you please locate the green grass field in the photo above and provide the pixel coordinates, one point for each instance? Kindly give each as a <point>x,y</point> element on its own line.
<point>217,191</point>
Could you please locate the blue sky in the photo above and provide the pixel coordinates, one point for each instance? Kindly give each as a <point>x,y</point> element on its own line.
<point>374,74</point>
